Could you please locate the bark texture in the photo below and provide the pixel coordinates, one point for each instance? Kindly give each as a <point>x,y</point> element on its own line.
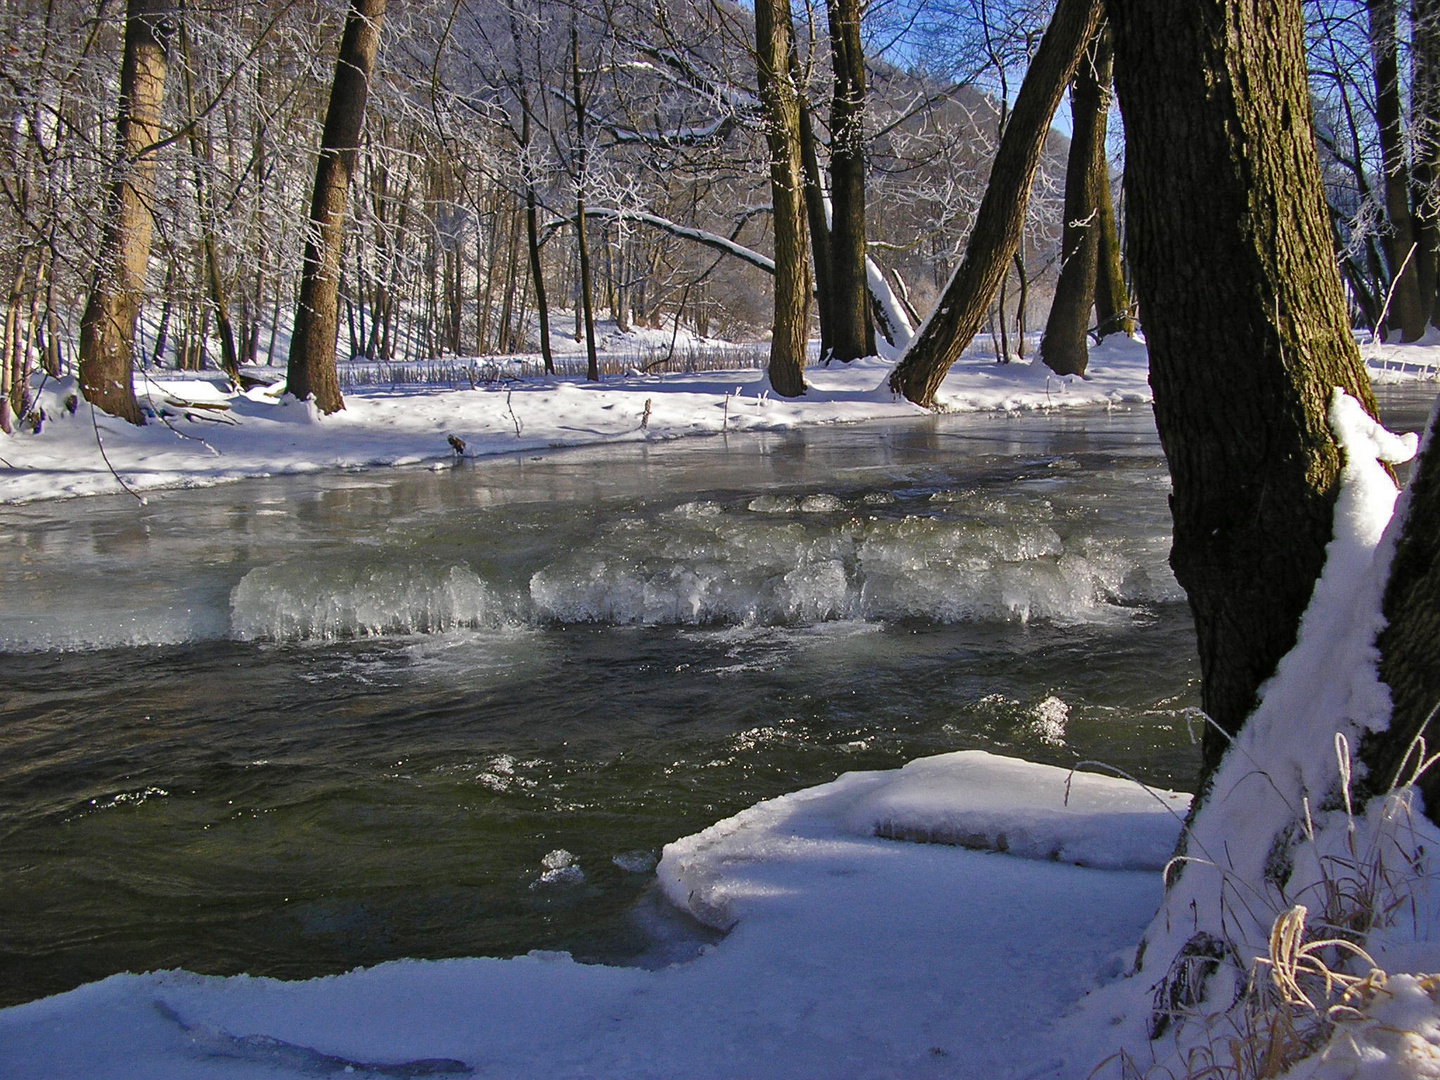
<point>780,103</point>
<point>1409,659</point>
<point>1235,268</point>
<point>852,335</point>
<point>1064,347</point>
<point>1112,298</point>
<point>311,370</point>
<point>107,329</point>
<point>961,309</point>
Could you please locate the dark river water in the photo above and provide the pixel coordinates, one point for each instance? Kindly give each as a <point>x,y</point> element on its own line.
<point>293,726</point>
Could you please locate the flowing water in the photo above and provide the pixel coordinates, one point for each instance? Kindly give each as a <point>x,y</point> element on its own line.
<point>297,725</point>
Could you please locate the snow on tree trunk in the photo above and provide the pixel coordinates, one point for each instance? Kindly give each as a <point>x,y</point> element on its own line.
<point>1234,264</point>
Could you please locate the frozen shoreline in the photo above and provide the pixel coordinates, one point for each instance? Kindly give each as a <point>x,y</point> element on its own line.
<point>848,955</point>
<point>212,436</point>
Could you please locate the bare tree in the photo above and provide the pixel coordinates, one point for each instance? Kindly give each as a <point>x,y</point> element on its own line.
<point>780,100</point>
<point>312,348</point>
<point>107,330</point>
<point>996,233</point>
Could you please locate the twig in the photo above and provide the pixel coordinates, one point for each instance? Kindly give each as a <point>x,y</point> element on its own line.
<point>1389,295</point>
<point>101,443</point>
<point>514,419</point>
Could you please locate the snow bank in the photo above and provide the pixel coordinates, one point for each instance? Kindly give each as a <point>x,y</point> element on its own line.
<point>971,799</point>
<point>849,956</point>
<point>202,434</point>
<point>978,800</point>
<point>1275,830</point>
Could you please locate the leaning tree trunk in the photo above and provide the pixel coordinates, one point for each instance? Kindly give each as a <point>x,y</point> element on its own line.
<point>1221,172</point>
<point>779,99</point>
<point>852,333</point>
<point>1064,346</point>
<point>1405,308</point>
<point>311,369</point>
<point>107,329</point>
<point>962,307</point>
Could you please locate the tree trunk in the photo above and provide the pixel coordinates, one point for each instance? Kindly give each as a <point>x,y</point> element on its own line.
<point>998,224</point>
<point>312,349</point>
<point>1425,139</point>
<point>1405,309</point>
<point>199,163</point>
<point>1409,662</point>
<point>1245,319</point>
<point>1112,299</point>
<point>592,366</point>
<point>780,102</point>
<point>107,329</point>
<point>819,222</point>
<point>852,334</point>
<point>1065,345</point>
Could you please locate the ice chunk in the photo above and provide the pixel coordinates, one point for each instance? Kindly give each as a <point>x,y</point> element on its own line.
<point>969,798</point>
<point>304,601</point>
<point>635,862</point>
<point>560,869</point>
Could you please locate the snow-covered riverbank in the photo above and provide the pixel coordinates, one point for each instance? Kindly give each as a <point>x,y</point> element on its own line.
<point>206,435</point>
<point>847,955</point>
<point>851,951</point>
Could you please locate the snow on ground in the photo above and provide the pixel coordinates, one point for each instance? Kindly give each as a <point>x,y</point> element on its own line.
<point>1277,839</point>
<point>848,956</point>
<point>848,953</point>
<point>206,435</point>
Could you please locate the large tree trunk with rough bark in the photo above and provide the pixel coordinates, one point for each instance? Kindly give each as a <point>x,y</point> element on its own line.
<point>852,333</point>
<point>1064,347</point>
<point>1235,268</point>
<point>996,233</point>
<point>1409,659</point>
<point>779,98</point>
<point>311,369</point>
<point>107,329</point>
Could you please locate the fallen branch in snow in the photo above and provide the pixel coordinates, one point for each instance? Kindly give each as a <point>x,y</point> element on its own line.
<point>101,443</point>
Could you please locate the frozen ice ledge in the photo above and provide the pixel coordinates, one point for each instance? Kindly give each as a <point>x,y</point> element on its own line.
<point>970,799</point>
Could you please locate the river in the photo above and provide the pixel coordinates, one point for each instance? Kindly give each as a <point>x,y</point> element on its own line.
<point>296,725</point>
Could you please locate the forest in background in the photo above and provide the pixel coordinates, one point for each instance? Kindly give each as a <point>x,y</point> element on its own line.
<point>642,120</point>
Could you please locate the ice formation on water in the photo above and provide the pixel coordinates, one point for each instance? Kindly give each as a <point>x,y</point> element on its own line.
<point>305,601</point>
<point>769,561</point>
<point>559,868</point>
